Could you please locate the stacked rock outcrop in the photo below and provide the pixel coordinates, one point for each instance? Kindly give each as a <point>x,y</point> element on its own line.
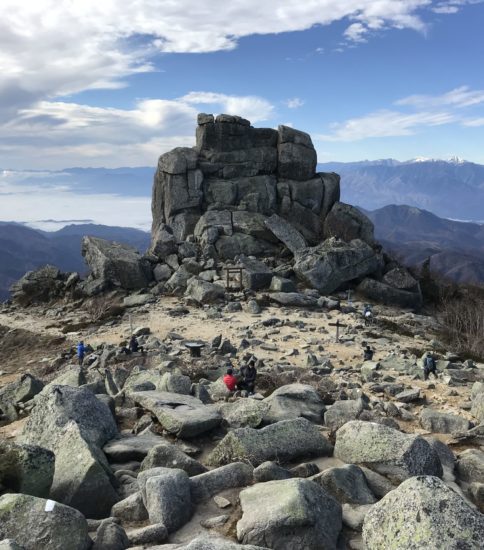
<point>240,195</point>
<point>223,190</point>
<point>245,191</point>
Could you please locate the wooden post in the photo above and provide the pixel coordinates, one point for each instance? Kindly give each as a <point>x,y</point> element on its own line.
<point>337,325</point>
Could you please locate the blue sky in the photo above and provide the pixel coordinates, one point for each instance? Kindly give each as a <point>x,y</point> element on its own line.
<point>112,83</point>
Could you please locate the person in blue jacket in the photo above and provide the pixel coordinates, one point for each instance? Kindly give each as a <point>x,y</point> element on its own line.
<point>81,351</point>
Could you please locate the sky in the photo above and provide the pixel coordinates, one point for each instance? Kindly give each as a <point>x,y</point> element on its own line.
<point>106,83</point>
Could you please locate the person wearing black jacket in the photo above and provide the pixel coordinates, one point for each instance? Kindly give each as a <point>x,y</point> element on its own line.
<point>368,354</point>
<point>249,374</point>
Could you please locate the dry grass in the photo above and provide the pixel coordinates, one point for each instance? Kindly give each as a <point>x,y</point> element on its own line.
<point>461,316</point>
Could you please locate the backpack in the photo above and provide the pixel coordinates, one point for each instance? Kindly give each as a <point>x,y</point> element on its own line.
<point>430,362</point>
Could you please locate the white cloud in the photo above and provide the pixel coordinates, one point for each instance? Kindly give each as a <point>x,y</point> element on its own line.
<point>384,123</point>
<point>459,97</point>
<point>51,48</point>
<point>56,134</point>
<point>426,111</point>
<point>31,204</point>
<point>445,9</point>
<point>253,108</point>
<point>294,103</point>
<point>473,122</point>
<point>453,6</point>
<point>356,32</point>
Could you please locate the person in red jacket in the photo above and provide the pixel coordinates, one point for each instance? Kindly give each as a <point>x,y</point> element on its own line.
<point>230,380</point>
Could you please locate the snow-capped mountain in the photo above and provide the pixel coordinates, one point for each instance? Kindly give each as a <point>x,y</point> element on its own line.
<point>452,188</point>
<point>451,160</point>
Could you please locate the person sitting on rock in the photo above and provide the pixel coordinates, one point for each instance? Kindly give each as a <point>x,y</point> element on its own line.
<point>249,374</point>
<point>429,366</point>
<point>230,381</point>
<point>81,351</point>
<point>368,354</point>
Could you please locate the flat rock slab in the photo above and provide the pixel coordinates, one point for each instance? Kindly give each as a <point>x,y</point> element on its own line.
<point>131,447</point>
<point>181,415</point>
<point>407,396</point>
<point>243,413</point>
<point>441,422</point>
<point>295,299</point>
<point>286,233</point>
<point>136,300</point>
<point>385,450</point>
<point>294,401</point>
<point>282,441</point>
<point>204,486</point>
<point>207,542</point>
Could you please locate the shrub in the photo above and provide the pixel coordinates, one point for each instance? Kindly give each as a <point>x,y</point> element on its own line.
<point>461,315</point>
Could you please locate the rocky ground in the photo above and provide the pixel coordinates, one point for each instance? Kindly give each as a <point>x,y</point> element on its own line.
<point>150,450</point>
<point>331,452</point>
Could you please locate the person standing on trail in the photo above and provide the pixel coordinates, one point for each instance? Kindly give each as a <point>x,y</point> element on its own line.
<point>368,354</point>
<point>368,315</point>
<point>430,367</point>
<point>81,351</point>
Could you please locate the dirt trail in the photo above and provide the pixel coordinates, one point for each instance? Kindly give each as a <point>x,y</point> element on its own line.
<point>307,331</point>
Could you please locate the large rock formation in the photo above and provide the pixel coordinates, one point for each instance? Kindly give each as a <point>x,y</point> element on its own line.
<point>244,191</point>
<point>237,176</point>
<point>42,285</point>
<point>117,264</point>
<point>241,192</point>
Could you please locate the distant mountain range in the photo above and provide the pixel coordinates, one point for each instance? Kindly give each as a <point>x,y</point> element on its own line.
<point>23,249</point>
<point>456,249</point>
<point>451,189</point>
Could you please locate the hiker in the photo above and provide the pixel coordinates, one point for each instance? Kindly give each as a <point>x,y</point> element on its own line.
<point>429,366</point>
<point>368,354</point>
<point>368,314</point>
<point>230,381</point>
<point>81,351</point>
<point>249,374</point>
<point>134,346</point>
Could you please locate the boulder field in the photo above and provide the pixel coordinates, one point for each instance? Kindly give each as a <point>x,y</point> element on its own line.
<point>253,260</point>
<point>143,454</point>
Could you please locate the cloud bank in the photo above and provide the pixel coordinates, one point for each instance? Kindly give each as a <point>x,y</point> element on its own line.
<point>52,48</point>
<point>417,113</point>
